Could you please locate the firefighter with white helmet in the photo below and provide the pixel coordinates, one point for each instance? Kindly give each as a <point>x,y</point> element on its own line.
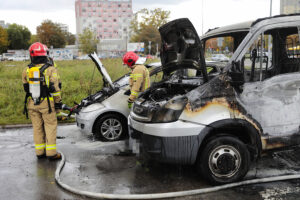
<point>139,78</point>
<point>40,80</point>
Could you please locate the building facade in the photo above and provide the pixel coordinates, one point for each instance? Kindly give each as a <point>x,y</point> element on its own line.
<point>289,6</point>
<point>108,19</point>
<point>3,24</point>
<point>64,27</point>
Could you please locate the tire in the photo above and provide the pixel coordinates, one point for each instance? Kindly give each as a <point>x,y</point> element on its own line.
<point>224,159</point>
<point>110,127</point>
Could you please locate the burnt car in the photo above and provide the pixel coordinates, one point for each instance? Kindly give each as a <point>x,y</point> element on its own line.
<point>105,113</point>
<point>229,120</point>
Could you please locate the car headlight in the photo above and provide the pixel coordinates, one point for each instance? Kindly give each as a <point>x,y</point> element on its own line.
<point>171,111</point>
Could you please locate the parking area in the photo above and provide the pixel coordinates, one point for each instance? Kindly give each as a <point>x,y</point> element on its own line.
<point>97,167</point>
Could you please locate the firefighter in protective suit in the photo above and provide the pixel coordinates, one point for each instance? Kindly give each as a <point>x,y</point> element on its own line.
<point>139,81</point>
<point>40,81</point>
<point>139,78</point>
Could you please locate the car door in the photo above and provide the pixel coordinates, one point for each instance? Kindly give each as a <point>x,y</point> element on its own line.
<point>270,93</point>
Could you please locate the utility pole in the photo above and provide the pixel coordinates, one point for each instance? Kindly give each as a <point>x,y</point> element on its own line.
<point>149,47</point>
<point>270,38</point>
<point>202,15</point>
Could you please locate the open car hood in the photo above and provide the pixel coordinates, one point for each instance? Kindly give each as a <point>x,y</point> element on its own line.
<point>102,69</point>
<point>181,46</point>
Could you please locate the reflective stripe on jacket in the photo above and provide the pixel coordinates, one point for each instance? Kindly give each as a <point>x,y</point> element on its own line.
<point>139,81</point>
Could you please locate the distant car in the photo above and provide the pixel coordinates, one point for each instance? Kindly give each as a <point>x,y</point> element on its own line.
<point>149,56</point>
<point>105,113</point>
<point>18,58</point>
<point>220,58</point>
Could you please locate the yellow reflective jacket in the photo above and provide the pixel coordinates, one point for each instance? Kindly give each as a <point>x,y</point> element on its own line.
<point>139,81</point>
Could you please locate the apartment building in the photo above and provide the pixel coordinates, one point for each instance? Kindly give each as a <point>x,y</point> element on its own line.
<point>108,19</point>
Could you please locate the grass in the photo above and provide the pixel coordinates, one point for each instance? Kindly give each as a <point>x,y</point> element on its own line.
<point>76,84</point>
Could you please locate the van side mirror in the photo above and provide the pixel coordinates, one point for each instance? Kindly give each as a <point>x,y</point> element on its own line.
<point>237,75</point>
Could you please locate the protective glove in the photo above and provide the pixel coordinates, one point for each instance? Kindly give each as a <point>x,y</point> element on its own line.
<point>58,106</point>
<point>130,102</point>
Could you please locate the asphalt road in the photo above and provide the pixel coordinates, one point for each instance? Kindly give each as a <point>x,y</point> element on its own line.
<point>96,166</point>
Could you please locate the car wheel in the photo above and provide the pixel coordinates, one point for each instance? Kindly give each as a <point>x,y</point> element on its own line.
<point>110,127</point>
<point>224,159</point>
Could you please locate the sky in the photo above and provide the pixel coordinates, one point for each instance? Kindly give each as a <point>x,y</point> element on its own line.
<point>216,13</point>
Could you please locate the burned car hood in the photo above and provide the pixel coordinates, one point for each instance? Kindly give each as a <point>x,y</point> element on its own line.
<point>181,46</point>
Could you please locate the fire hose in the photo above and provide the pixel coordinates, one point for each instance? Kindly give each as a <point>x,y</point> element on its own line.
<point>163,195</point>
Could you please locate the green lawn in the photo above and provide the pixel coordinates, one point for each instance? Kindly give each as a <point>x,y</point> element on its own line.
<point>76,84</point>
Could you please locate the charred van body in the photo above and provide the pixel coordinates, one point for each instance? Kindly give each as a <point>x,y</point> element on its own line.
<point>228,120</point>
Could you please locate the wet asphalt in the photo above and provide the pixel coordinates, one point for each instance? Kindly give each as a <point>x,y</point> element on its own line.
<point>97,167</point>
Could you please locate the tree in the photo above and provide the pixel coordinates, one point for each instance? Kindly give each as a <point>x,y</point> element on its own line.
<point>70,38</point>
<point>33,39</point>
<point>3,40</point>
<point>147,29</point>
<point>18,36</point>
<point>88,41</point>
<point>50,34</point>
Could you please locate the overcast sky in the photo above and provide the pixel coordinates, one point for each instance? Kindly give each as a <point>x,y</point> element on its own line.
<point>215,12</point>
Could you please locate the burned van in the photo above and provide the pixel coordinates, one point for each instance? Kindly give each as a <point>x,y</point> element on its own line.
<point>228,121</point>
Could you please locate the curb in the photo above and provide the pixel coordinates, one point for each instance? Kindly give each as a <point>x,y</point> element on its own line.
<point>18,126</point>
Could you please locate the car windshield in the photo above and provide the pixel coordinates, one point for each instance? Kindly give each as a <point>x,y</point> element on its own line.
<point>122,81</point>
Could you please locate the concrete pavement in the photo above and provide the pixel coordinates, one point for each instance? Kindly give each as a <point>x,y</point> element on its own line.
<point>96,166</point>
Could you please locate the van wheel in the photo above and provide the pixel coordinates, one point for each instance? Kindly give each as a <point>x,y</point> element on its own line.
<point>224,160</point>
<point>110,127</point>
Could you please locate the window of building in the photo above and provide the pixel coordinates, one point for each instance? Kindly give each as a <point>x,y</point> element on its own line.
<point>115,20</point>
<point>83,10</point>
<point>129,6</point>
<point>119,5</point>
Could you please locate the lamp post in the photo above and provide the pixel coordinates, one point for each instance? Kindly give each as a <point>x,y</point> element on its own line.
<point>270,37</point>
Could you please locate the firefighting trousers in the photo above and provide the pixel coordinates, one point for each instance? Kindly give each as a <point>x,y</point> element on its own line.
<point>44,130</point>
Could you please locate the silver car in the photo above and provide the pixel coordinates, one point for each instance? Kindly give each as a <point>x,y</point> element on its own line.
<point>105,113</point>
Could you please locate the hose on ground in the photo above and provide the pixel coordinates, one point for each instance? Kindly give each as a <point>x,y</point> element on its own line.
<point>163,195</point>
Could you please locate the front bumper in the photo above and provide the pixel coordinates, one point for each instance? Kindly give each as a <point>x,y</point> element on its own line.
<point>176,142</point>
<point>85,122</point>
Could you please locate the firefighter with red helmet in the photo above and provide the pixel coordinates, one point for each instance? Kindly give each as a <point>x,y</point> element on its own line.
<point>139,78</point>
<point>40,81</point>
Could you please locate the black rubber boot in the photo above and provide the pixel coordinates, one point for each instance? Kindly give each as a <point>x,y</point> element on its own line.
<point>55,157</point>
<point>41,156</point>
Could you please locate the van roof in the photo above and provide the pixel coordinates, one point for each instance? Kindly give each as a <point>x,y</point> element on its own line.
<point>240,27</point>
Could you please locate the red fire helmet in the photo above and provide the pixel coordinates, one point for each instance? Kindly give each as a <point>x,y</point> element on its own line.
<point>130,58</point>
<point>38,49</point>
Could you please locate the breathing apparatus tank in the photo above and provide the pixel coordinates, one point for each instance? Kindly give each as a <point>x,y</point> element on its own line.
<point>35,84</point>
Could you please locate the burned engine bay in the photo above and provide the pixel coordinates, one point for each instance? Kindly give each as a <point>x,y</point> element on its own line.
<point>164,101</point>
